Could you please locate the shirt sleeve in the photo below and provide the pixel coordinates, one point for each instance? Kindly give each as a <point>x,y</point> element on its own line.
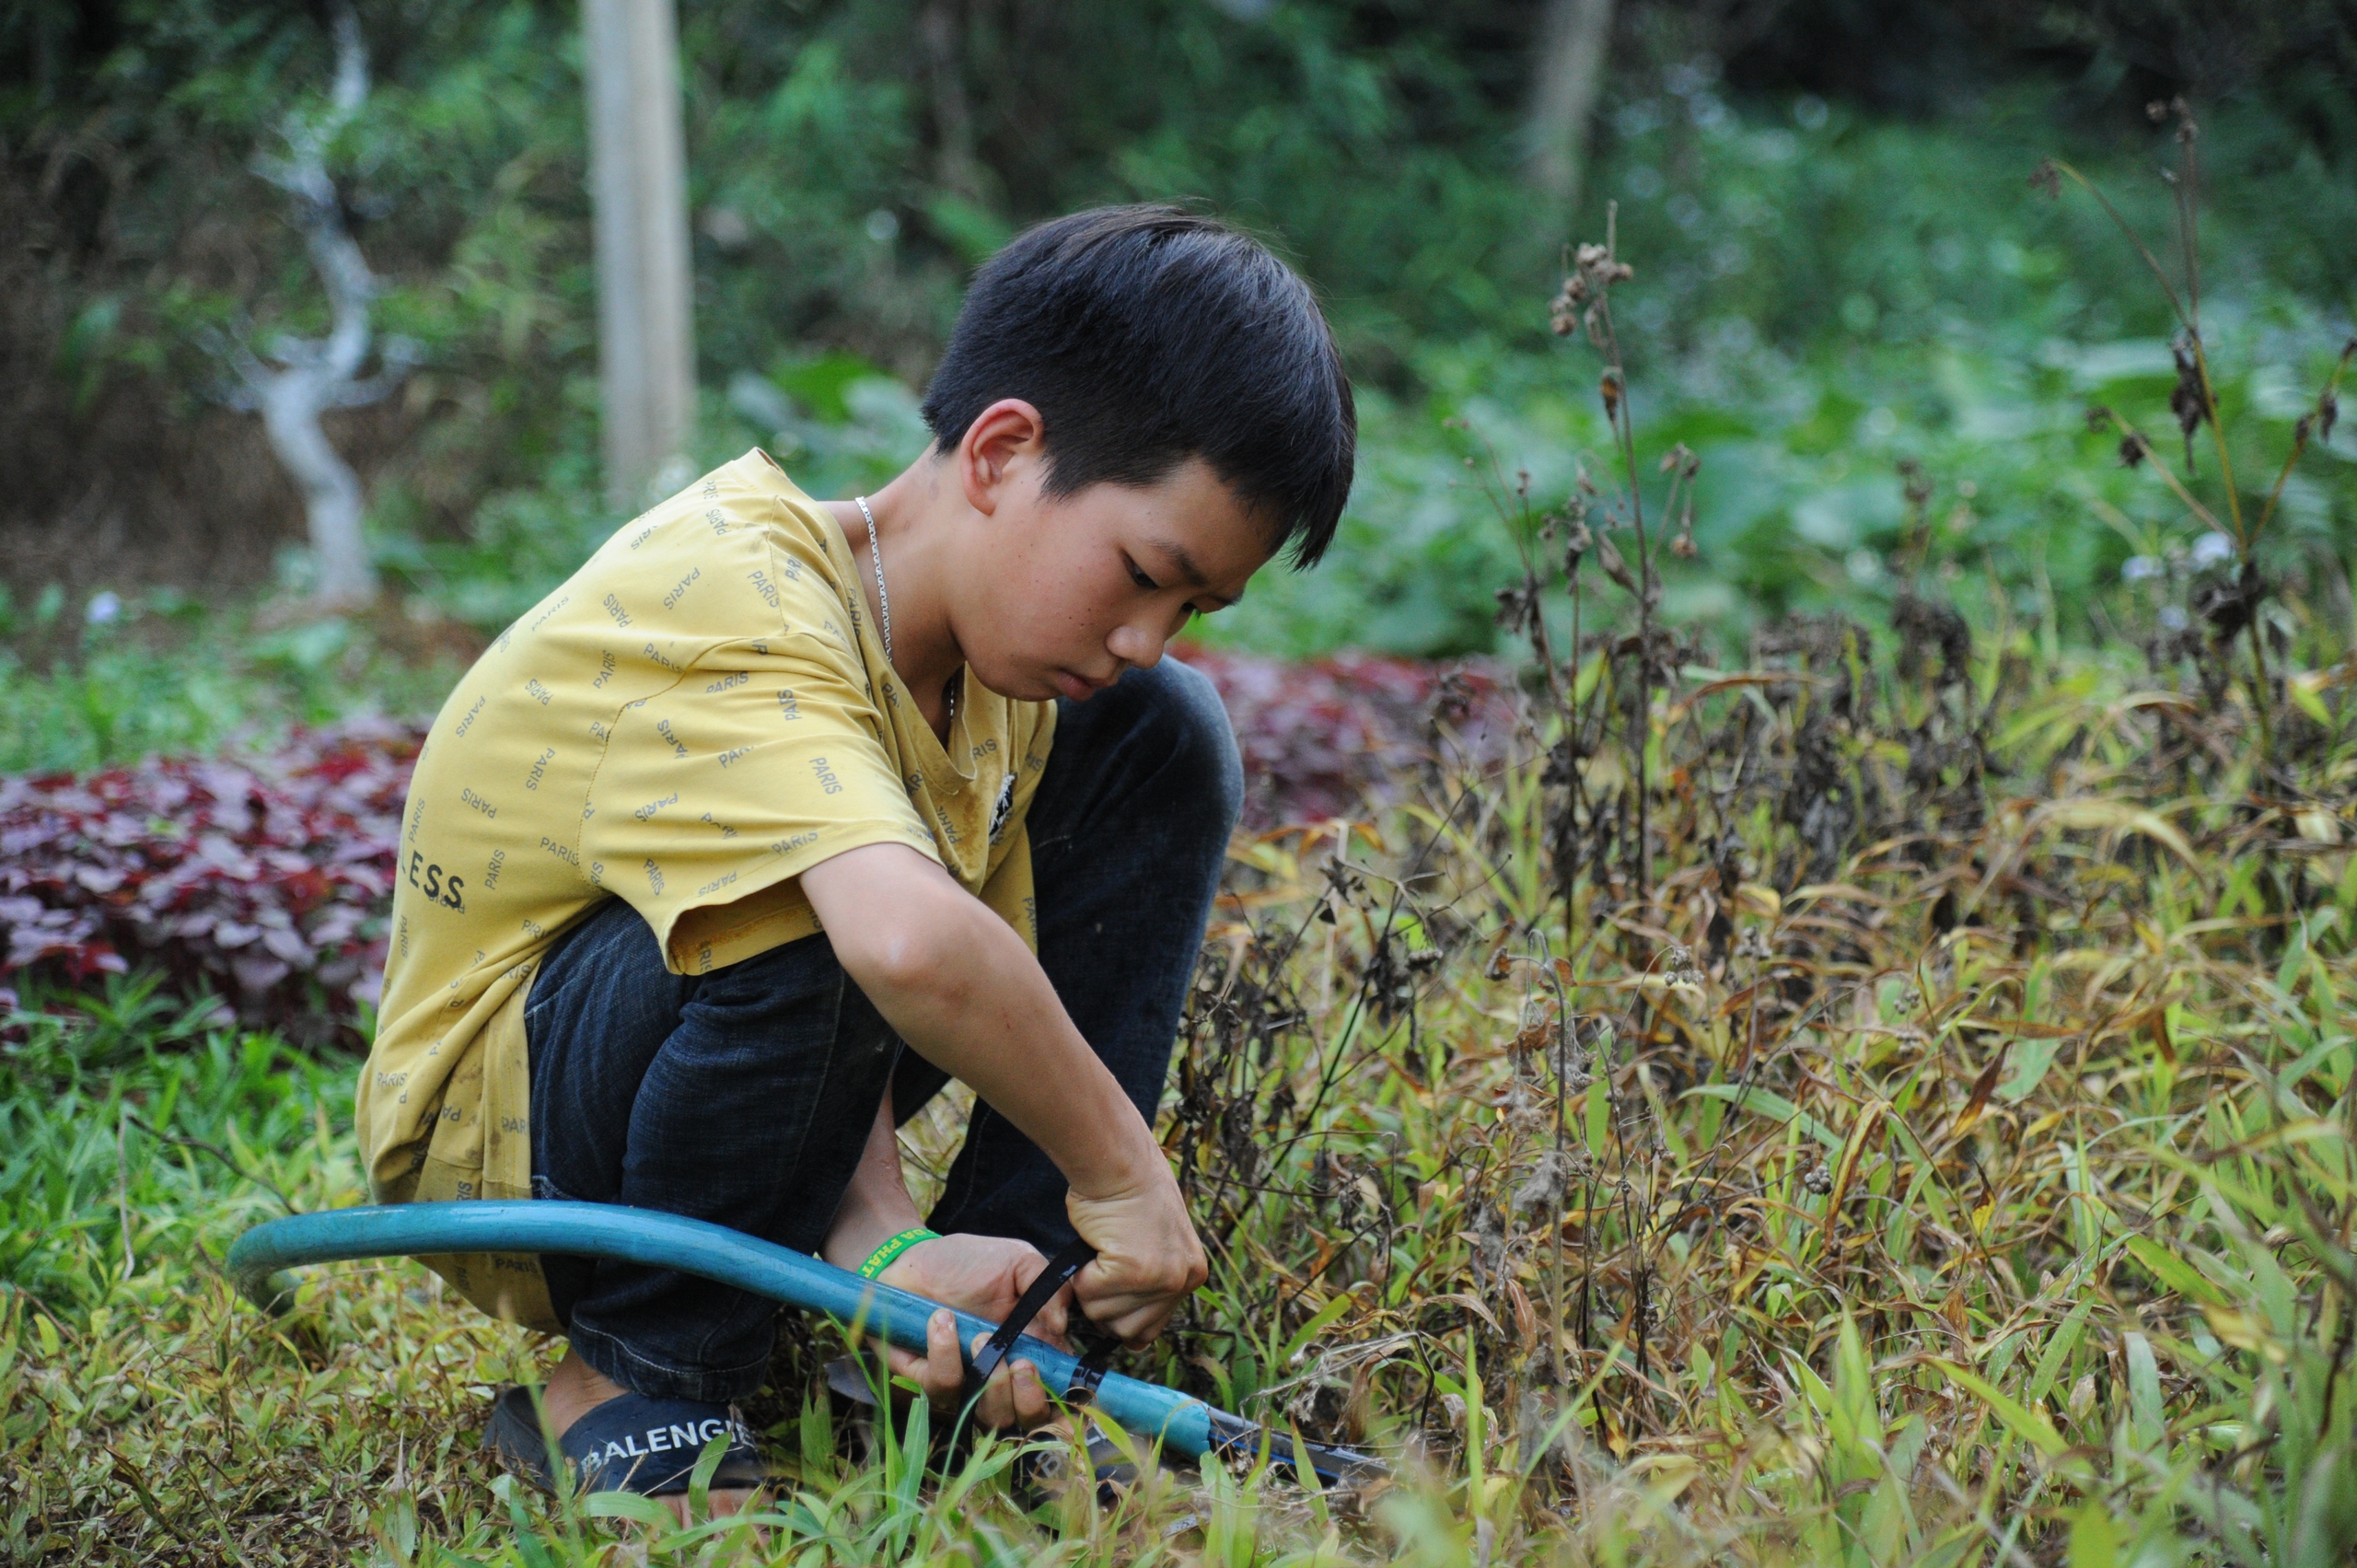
<point>764,759</point>
<point>1009,892</point>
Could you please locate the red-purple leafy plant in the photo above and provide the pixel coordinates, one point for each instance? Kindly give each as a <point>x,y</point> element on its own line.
<point>264,881</point>
<point>1319,739</point>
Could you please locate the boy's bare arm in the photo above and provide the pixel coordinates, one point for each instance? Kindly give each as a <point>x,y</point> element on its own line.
<point>963,990</point>
<point>877,1205</point>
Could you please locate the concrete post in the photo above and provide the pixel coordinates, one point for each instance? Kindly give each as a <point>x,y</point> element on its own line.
<point>645,289</point>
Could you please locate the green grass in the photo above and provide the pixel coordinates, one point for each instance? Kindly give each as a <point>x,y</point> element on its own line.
<point>1987,1200</point>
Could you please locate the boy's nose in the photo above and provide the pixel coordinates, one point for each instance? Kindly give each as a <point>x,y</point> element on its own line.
<point>1137,645</point>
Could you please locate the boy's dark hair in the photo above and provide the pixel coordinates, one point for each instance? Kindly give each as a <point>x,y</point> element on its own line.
<point>1146,335</point>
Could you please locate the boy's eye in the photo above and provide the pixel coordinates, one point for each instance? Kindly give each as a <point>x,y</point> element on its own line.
<point>1141,579</point>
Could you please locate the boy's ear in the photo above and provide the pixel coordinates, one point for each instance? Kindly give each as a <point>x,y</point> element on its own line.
<point>1005,439</point>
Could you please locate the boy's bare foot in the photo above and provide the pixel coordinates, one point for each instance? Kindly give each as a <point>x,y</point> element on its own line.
<point>575,1388</point>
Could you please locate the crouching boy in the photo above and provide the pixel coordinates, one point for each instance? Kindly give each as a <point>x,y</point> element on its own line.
<point>780,813</point>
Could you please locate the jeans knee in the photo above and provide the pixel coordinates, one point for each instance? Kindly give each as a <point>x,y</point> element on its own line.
<point>1204,762</point>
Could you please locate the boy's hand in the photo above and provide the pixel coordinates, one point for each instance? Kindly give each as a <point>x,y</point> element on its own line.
<point>985,1275</point>
<point>1014,1397</point>
<point>1148,1259</point>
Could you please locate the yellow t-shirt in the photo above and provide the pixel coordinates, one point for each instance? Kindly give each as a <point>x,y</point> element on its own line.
<point>694,719</point>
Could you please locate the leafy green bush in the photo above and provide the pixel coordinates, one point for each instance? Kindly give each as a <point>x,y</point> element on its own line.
<point>1822,293</point>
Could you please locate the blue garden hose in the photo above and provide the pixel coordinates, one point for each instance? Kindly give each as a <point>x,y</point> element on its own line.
<point>1183,1424</point>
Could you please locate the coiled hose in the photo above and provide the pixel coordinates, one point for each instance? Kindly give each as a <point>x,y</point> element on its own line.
<point>1181,1423</point>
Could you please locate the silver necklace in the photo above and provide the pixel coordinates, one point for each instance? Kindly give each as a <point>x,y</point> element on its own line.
<point>884,599</point>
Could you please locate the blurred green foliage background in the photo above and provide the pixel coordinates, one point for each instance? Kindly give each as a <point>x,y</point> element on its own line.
<point>1840,265</point>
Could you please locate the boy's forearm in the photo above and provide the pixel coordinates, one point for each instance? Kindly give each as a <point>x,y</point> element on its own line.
<point>987,1014</point>
<point>966,994</point>
<point>876,1206</point>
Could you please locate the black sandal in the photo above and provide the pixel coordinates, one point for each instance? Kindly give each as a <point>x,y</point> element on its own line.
<point>630,1443</point>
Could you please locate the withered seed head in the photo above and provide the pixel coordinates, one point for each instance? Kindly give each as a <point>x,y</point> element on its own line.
<point>1577,541</point>
<point>1563,314</point>
<point>2189,399</point>
<point>2185,401</point>
<point>1918,482</point>
<point>1608,557</point>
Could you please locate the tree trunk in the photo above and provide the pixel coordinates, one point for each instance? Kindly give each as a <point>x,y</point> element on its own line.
<point>314,375</point>
<point>638,180</point>
<point>942,26</point>
<point>331,497</point>
<point>1575,42</point>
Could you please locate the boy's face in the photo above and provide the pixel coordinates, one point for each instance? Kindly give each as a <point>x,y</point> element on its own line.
<point>1061,594</point>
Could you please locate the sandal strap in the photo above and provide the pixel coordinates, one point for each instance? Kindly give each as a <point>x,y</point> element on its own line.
<point>598,1446</point>
<point>650,1446</point>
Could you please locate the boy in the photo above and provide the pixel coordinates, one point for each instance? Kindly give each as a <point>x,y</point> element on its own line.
<point>772,786</point>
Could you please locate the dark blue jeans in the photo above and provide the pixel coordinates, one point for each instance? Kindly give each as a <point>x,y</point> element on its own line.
<point>746,1095</point>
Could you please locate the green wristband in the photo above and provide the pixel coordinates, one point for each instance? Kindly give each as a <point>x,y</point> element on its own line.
<point>881,1259</point>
